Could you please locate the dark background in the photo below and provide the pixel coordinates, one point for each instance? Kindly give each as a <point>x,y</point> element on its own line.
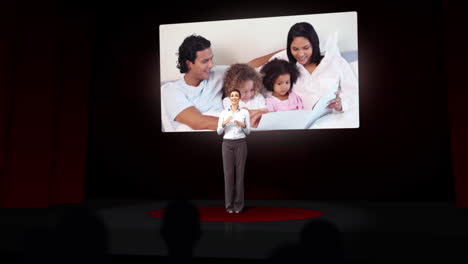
<point>400,152</point>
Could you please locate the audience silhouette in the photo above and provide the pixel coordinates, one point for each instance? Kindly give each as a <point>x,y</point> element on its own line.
<point>180,230</point>
<point>324,240</point>
<point>320,241</point>
<point>79,236</point>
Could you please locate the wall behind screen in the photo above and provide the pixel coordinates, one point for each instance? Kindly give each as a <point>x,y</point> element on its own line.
<point>229,38</point>
<point>401,150</point>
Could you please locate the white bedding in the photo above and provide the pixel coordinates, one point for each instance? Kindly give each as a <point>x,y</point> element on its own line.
<point>348,119</point>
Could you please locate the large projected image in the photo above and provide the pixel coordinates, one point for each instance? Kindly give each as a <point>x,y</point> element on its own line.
<point>294,72</point>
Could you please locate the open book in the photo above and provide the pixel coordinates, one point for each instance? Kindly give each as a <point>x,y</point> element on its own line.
<point>297,119</point>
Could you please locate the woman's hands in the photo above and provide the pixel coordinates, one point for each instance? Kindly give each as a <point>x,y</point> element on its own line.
<point>227,121</point>
<point>240,123</point>
<point>336,103</point>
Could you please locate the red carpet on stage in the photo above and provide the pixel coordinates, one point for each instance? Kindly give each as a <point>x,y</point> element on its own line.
<point>251,214</point>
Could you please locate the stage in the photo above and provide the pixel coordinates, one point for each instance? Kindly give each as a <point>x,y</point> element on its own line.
<point>373,232</point>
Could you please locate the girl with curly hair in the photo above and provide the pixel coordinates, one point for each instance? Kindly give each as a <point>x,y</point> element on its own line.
<point>247,80</point>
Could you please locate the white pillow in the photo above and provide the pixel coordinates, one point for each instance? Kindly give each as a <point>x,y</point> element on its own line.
<point>166,125</point>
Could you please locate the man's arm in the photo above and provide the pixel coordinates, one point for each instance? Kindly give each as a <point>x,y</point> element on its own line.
<point>196,120</point>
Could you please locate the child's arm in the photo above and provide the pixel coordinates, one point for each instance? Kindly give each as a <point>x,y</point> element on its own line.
<point>263,110</point>
<point>255,115</point>
<point>255,119</point>
<point>257,111</point>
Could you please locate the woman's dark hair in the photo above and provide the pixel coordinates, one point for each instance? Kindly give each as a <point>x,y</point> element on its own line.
<point>275,68</point>
<point>234,90</point>
<point>188,50</point>
<point>306,30</point>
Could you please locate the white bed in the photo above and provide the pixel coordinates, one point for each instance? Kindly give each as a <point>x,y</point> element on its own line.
<point>348,119</point>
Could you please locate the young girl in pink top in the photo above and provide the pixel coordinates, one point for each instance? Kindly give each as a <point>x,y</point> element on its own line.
<point>279,77</point>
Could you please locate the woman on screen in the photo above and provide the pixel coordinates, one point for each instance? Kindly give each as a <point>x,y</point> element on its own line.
<point>235,124</point>
<point>319,71</point>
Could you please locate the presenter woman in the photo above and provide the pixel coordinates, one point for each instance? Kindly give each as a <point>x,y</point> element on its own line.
<point>235,123</point>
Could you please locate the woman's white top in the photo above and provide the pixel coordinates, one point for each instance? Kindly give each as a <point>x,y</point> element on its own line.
<point>232,130</point>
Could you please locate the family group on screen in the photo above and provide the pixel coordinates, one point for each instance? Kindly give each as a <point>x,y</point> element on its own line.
<point>289,79</point>
<point>233,99</point>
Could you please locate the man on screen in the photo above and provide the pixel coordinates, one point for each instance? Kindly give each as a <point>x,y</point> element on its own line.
<point>196,99</point>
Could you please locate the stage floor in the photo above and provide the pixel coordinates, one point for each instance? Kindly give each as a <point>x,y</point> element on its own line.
<point>373,232</point>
